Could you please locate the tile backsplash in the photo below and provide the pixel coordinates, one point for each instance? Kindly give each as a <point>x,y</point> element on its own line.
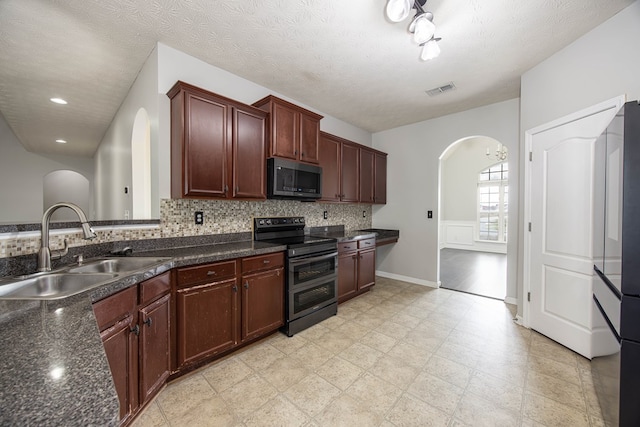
<point>177,219</point>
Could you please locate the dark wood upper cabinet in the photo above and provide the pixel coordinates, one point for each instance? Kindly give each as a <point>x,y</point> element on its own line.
<point>366,175</point>
<point>350,172</point>
<point>294,131</point>
<point>329,159</point>
<point>380,171</point>
<point>249,154</point>
<point>218,146</point>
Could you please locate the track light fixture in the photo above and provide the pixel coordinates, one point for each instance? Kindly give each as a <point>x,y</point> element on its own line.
<point>422,26</point>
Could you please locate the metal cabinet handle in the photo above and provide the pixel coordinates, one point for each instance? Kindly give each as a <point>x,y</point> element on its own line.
<point>246,285</point>
<point>211,273</point>
<point>266,261</point>
<point>235,288</point>
<point>135,330</point>
<point>226,189</point>
<point>148,322</point>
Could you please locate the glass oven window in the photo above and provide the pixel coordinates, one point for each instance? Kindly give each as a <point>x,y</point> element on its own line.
<point>308,298</point>
<point>307,271</point>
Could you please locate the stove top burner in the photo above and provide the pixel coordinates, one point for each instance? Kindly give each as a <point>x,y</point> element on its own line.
<point>289,231</point>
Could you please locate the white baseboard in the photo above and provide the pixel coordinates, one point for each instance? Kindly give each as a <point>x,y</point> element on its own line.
<point>520,321</point>
<point>407,279</point>
<point>510,300</point>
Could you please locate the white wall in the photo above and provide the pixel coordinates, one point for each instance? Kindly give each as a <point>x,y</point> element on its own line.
<point>113,157</point>
<point>412,184</point>
<point>174,65</point>
<point>600,65</point>
<point>22,174</point>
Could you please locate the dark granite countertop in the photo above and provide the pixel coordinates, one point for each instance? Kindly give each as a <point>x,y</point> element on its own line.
<point>54,369</point>
<point>382,236</point>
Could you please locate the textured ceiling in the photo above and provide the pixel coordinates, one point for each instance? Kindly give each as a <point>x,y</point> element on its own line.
<point>340,57</point>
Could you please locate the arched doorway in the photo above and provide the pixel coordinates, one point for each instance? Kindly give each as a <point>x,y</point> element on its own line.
<point>473,204</point>
<point>141,166</point>
<point>65,186</point>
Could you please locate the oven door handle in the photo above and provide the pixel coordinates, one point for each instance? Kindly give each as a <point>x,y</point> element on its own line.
<point>305,260</point>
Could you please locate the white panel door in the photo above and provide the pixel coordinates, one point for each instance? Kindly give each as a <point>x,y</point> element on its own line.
<point>561,240</point>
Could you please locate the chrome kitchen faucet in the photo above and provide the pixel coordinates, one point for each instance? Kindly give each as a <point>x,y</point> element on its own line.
<point>44,254</point>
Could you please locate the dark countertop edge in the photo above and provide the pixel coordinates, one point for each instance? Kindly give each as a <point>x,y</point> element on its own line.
<point>383,236</point>
<point>30,371</point>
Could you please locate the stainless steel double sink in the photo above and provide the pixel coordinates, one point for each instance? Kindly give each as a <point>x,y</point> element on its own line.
<point>74,279</point>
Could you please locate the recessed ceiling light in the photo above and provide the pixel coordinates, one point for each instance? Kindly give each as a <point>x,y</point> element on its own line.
<point>58,101</point>
<point>61,141</point>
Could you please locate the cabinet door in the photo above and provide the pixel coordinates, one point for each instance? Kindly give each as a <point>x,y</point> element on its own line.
<point>121,347</point>
<point>249,155</point>
<point>350,172</point>
<point>154,323</point>
<point>347,273</point>
<point>329,159</point>
<point>284,132</point>
<point>309,136</point>
<point>366,269</point>
<point>206,320</point>
<point>366,176</point>
<point>262,302</point>
<point>205,147</point>
<point>380,187</point>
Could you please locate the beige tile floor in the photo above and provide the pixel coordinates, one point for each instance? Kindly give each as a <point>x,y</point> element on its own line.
<point>401,355</point>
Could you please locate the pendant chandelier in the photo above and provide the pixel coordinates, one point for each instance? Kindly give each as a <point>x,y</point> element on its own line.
<point>421,26</point>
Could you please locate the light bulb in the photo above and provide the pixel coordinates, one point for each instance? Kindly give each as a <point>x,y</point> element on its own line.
<point>423,29</point>
<point>430,50</point>
<point>398,10</point>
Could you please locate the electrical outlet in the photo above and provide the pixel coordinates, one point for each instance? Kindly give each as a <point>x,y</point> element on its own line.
<point>199,218</point>
<point>325,215</point>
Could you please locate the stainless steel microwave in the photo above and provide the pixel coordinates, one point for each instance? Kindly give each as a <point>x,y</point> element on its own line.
<point>287,179</point>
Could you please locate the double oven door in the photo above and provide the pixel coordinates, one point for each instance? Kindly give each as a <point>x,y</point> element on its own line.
<point>311,284</point>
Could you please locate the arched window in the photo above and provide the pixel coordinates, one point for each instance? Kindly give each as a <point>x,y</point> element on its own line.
<point>141,166</point>
<point>493,203</point>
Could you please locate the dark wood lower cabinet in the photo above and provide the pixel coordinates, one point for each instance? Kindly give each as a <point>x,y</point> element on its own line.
<point>244,302</point>
<point>136,341</point>
<point>154,342</point>
<point>121,348</point>
<point>347,275</point>
<point>356,268</point>
<point>206,320</point>
<point>216,309</point>
<point>262,302</point>
<point>366,268</point>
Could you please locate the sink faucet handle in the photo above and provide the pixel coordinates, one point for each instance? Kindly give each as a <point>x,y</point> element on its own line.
<point>80,258</point>
<point>57,254</point>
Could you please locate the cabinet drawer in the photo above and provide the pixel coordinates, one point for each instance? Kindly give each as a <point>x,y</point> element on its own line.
<point>347,246</point>
<point>367,243</point>
<point>262,262</point>
<point>155,287</point>
<point>115,307</point>
<point>207,272</point>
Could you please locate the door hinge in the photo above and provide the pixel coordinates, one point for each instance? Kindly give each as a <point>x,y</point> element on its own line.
<point>529,296</point>
<point>529,226</point>
<point>530,156</point>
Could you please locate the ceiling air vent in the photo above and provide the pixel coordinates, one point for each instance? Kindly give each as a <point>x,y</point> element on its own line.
<point>442,89</point>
